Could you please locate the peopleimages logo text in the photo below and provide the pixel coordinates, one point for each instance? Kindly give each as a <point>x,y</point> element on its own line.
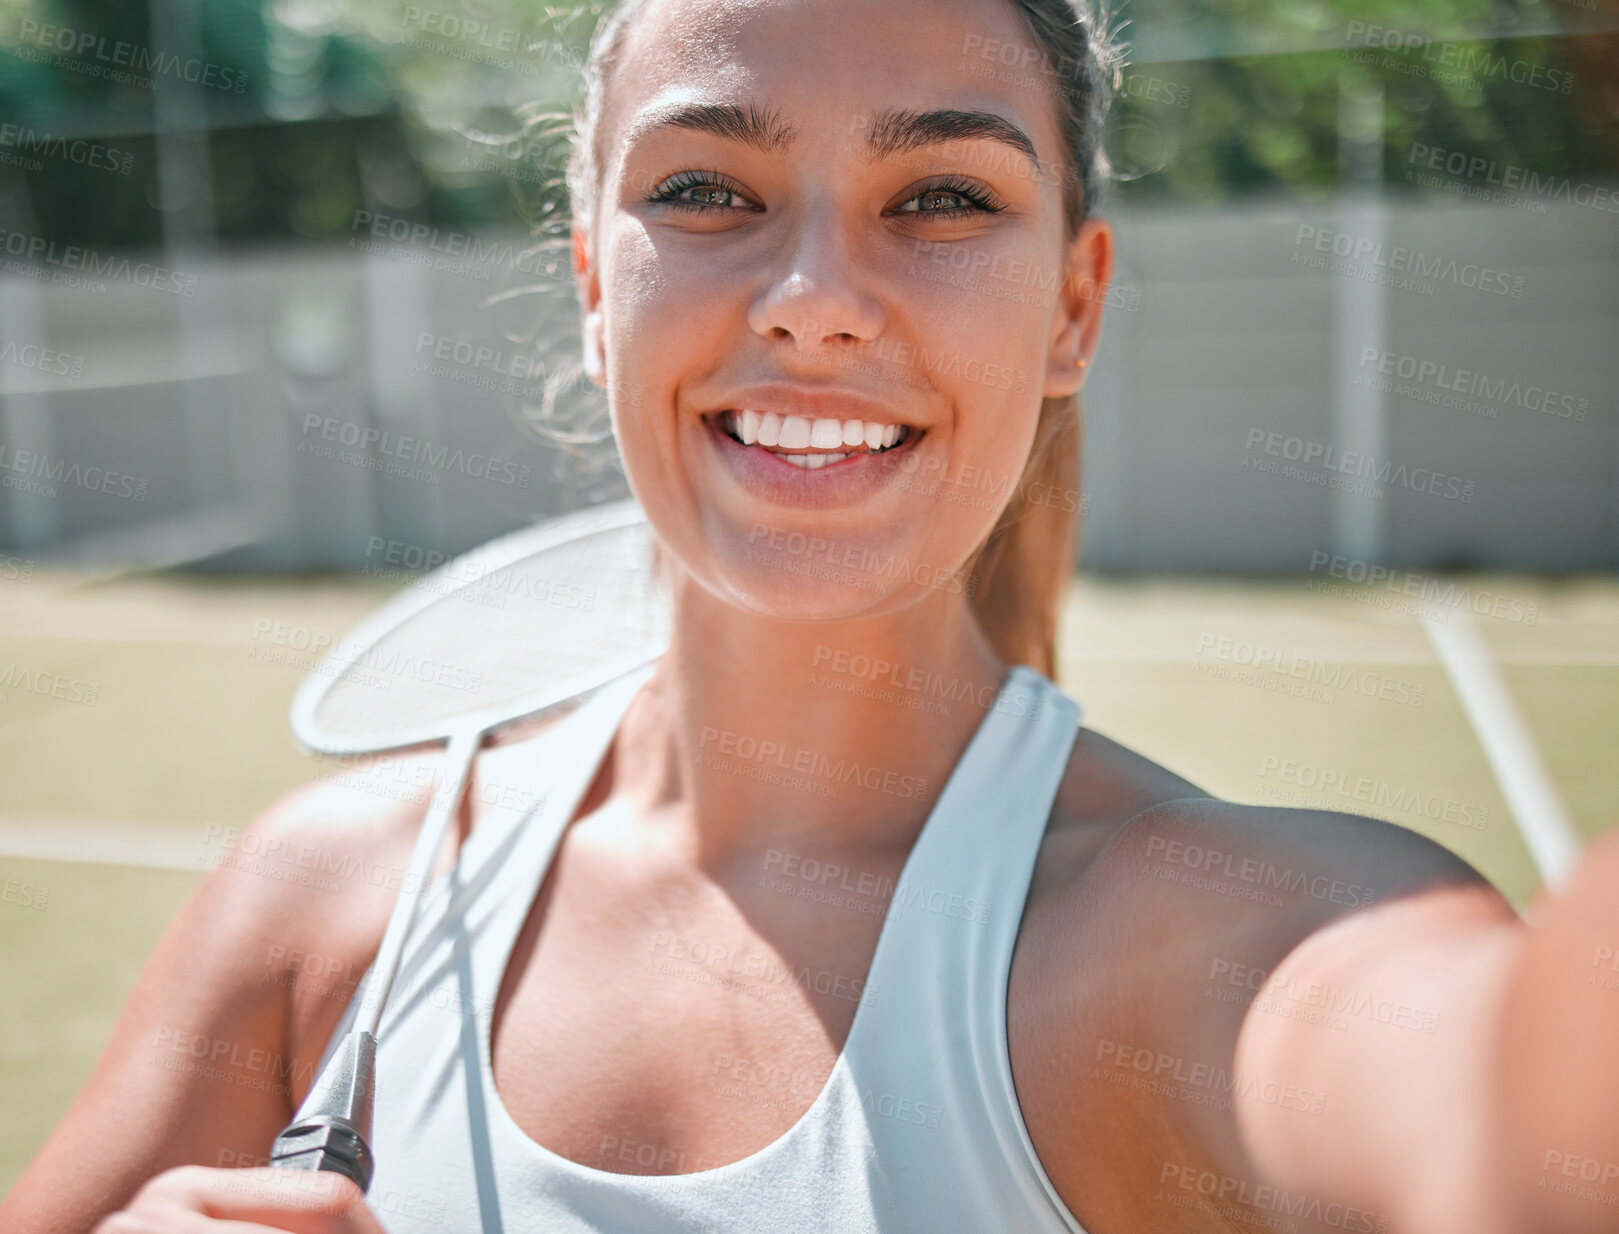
<point>91,154</point>
<point>1511,176</point>
<point>39,468</point>
<point>363,439</point>
<point>1470,383</point>
<point>131,56</point>
<point>1353,463</point>
<point>97,265</point>
<point>460,244</point>
<point>1402,260</point>
<point>1457,60</point>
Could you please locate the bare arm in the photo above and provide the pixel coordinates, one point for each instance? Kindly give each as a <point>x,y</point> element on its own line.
<point>1499,1116</point>
<point>1176,937</point>
<point>220,1038</point>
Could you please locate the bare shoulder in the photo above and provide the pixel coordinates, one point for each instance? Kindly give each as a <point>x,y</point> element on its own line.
<point>209,1056</point>
<point>1164,892</point>
<point>220,1040</point>
<point>1104,785</point>
<point>1273,856</point>
<point>1117,812</point>
<point>1132,850</point>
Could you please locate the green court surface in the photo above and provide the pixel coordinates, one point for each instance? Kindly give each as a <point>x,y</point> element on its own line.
<point>167,715</point>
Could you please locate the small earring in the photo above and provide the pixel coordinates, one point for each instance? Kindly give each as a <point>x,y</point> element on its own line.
<point>1080,362</point>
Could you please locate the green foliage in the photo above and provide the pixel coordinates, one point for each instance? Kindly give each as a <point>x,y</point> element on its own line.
<point>1514,83</point>
<point>441,114</point>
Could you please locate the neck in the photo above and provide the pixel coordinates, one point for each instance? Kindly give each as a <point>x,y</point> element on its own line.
<point>757,733</point>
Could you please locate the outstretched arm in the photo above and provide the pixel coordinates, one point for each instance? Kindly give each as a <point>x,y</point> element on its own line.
<point>1269,1018</point>
<point>1498,1112</point>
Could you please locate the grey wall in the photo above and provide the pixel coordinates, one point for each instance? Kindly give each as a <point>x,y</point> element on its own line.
<point>1237,333</point>
<point>1225,327</point>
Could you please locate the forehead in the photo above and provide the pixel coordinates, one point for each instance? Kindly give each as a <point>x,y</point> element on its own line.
<point>824,60</point>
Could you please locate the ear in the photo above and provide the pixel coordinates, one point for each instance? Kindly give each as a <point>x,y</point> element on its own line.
<point>1077,317</point>
<point>587,280</point>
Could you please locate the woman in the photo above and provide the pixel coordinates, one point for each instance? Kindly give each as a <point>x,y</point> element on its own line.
<point>691,1023</point>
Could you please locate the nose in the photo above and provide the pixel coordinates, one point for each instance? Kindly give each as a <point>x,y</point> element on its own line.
<point>816,298</point>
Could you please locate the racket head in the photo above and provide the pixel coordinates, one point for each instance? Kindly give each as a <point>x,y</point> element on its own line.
<point>504,632</point>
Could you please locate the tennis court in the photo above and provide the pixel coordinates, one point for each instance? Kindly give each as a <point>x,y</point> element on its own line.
<point>142,714</point>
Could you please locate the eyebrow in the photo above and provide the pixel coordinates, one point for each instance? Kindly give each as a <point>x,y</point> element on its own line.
<point>891,131</point>
<point>894,131</point>
<point>753,126</point>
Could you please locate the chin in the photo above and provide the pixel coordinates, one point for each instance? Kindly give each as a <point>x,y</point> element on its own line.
<point>789,567</point>
<point>812,603</point>
<point>829,578</point>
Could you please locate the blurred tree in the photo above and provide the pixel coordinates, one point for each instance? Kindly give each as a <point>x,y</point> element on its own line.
<point>335,105</point>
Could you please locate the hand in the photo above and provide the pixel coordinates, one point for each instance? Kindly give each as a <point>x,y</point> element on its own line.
<point>194,1199</point>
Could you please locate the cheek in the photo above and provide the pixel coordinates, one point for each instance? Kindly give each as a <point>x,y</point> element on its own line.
<point>981,317</point>
<point>987,459</point>
<point>635,287</point>
<point>661,287</point>
<point>655,336</point>
<point>980,341</point>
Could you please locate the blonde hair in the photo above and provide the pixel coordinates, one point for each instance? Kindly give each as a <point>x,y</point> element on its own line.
<point>1020,571</point>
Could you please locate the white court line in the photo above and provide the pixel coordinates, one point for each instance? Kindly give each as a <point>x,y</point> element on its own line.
<point>141,845</point>
<point>1509,747</point>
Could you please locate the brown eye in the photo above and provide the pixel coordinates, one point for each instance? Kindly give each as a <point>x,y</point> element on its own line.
<point>700,192</point>
<point>711,195</point>
<point>952,200</point>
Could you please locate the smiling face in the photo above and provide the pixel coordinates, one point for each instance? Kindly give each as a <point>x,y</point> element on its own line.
<point>824,231</point>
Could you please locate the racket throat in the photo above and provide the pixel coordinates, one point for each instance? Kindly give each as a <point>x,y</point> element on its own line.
<point>333,1126</point>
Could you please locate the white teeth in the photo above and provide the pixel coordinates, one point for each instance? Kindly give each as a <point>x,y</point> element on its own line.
<point>825,434</point>
<point>795,433</point>
<point>776,432</point>
<point>812,462</point>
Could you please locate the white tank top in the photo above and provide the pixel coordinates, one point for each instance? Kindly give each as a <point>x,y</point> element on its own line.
<point>918,1126</point>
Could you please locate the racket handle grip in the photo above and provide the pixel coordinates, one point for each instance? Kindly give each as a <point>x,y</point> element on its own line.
<point>325,1142</point>
<point>330,1129</point>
